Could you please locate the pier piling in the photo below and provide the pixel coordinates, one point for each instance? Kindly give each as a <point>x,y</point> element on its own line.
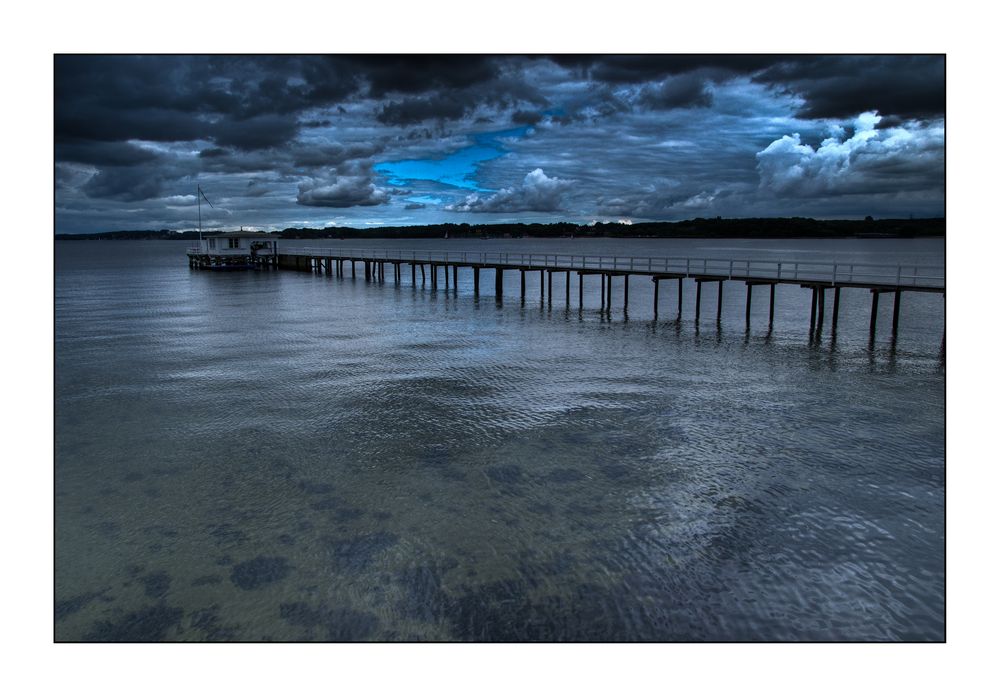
<point>871,324</point>
<point>836,310</point>
<point>656,297</point>
<point>718,312</point>
<point>821,300</point>
<point>770,313</point>
<point>697,301</point>
<point>895,311</point>
<point>812,312</point>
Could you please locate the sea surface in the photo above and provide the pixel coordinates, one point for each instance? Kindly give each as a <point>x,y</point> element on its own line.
<point>277,455</point>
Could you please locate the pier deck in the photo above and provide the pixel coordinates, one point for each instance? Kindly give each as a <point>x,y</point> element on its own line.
<point>817,276</point>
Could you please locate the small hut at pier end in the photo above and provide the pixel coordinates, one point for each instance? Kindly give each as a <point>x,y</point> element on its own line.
<point>228,251</point>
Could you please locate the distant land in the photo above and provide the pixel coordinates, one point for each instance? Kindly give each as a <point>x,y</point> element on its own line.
<point>699,227</point>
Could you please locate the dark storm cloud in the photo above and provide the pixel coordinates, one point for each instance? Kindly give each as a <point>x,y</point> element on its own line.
<point>645,68</point>
<point>526,117</point>
<point>677,92</point>
<point>832,86</point>
<point>256,133</point>
<point>408,112</point>
<point>342,192</point>
<point>136,183</point>
<point>845,86</point>
<point>415,74</point>
<point>103,153</point>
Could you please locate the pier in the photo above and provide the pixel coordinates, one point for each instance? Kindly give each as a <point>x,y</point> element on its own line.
<point>614,272</point>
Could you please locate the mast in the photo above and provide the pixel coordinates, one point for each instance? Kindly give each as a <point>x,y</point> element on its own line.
<point>201,195</point>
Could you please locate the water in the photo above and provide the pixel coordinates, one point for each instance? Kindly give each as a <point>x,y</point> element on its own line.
<point>283,456</point>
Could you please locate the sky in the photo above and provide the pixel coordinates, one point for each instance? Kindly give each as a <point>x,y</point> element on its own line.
<point>367,140</point>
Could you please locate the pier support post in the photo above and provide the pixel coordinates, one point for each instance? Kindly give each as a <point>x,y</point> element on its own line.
<point>498,280</point>
<point>871,323</point>
<point>609,294</point>
<point>475,280</point>
<point>895,311</point>
<point>550,287</point>
<point>836,310</point>
<point>697,301</point>
<point>354,272</point>
<point>579,277</point>
<point>541,284</point>
<point>522,285</point>
<point>770,312</point>
<point>718,311</point>
<point>821,300</point>
<point>567,289</point>
<point>749,299</point>
<point>434,276</point>
<point>446,270</point>
<point>368,273</point>
<point>625,306</point>
<point>656,297</point>
<point>454,276</point>
<point>413,275</point>
<point>812,313</point>
<point>680,296</point>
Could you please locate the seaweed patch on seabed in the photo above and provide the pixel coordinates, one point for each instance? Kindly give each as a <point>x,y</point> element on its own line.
<point>209,580</point>
<point>357,553</point>
<point>505,611</point>
<point>156,584</point>
<point>259,571</point>
<point>504,474</point>
<point>151,623</point>
<point>69,606</point>
<point>207,621</point>
<point>226,533</point>
<point>339,624</point>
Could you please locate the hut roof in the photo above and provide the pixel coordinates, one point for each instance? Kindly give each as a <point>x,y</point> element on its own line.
<point>242,234</point>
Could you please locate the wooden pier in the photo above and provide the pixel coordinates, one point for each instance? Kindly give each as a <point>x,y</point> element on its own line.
<point>616,271</point>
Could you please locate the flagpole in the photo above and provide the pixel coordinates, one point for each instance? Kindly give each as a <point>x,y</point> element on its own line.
<point>198,196</point>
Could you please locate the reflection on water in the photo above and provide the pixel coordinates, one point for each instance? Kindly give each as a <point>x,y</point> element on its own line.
<point>282,456</point>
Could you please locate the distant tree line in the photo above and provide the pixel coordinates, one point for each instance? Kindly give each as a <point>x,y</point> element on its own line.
<point>698,228</point>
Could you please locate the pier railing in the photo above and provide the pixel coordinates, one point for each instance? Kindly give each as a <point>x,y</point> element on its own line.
<point>733,269</point>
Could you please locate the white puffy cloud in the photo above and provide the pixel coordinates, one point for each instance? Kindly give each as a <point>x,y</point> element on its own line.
<point>537,192</point>
<point>909,157</point>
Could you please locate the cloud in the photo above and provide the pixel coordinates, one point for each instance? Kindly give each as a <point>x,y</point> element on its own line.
<point>910,87</point>
<point>343,192</point>
<point>256,133</point>
<point>537,192</point>
<point>673,93</point>
<point>871,161</point>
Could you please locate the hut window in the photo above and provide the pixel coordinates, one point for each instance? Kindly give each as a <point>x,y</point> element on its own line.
<point>234,242</point>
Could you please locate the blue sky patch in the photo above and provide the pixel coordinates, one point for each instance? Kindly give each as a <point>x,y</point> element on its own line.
<point>457,169</point>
